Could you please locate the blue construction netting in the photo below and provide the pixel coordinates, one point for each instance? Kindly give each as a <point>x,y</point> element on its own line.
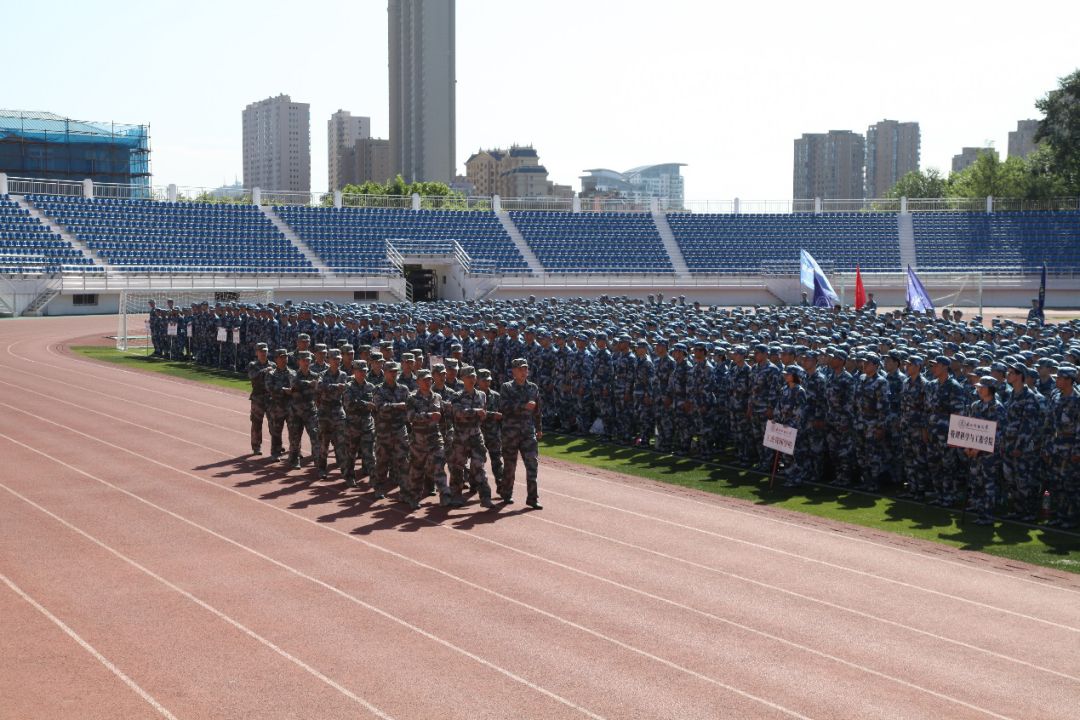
<point>50,147</point>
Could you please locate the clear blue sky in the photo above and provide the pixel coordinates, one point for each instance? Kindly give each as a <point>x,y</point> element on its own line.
<point>615,84</point>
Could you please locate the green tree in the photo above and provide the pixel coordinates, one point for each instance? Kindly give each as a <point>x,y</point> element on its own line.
<point>989,175</point>
<point>916,184</point>
<point>1060,129</point>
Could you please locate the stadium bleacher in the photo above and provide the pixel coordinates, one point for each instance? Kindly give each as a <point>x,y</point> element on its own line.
<point>1009,241</point>
<point>163,237</point>
<point>353,240</point>
<point>29,247</point>
<point>744,243</point>
<point>613,243</point>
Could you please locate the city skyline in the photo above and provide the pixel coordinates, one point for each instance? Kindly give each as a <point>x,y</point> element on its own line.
<point>671,97</point>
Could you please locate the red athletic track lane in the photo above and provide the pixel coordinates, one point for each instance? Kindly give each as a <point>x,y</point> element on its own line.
<point>149,568</point>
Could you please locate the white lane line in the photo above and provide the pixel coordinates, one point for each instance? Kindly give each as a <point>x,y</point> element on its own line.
<point>719,619</point>
<point>829,533</point>
<point>802,596</point>
<point>722,507</point>
<point>392,553</point>
<point>206,606</point>
<point>823,563</point>
<point>140,374</point>
<point>88,648</point>
<point>301,574</point>
<point>750,543</point>
<point>82,388</point>
<point>173,436</point>
<point>925,556</point>
<point>628,588</point>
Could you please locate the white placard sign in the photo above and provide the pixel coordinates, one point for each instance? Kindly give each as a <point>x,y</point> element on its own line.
<point>968,432</point>
<point>236,336</point>
<point>222,334</point>
<point>780,437</point>
<point>172,329</point>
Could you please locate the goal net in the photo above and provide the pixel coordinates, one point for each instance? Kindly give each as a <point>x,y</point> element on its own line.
<point>134,330</point>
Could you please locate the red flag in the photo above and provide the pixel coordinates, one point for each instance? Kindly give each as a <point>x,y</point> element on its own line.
<point>860,291</point>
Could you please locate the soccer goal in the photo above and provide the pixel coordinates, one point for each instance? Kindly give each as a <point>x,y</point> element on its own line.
<point>134,330</point>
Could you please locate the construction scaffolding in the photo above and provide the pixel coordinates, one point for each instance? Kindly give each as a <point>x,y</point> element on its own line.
<point>43,145</point>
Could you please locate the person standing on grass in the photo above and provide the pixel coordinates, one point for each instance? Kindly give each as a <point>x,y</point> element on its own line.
<point>519,403</point>
<point>985,467</point>
<point>257,371</point>
<point>278,381</point>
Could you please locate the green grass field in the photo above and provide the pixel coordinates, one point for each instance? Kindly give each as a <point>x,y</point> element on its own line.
<point>1008,540</point>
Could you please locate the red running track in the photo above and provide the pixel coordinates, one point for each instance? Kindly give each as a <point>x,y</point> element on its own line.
<point>149,568</point>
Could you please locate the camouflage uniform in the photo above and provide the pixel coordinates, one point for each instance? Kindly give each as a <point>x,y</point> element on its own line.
<point>682,419</point>
<point>764,386</point>
<point>985,468</point>
<point>622,395</point>
<point>427,454</point>
<point>492,431</point>
<point>839,392</point>
<point>792,410</point>
<point>871,422</point>
<point>303,415</point>
<point>277,382</point>
<point>738,404</point>
<point>644,399</point>
<point>519,428</point>
<point>391,438</point>
<point>329,392</point>
<point>913,421</point>
<point>257,373</point>
<point>359,429</point>
<point>943,400</point>
<point>701,395</point>
<point>566,392</point>
<point>601,389</point>
<point>1020,433</point>
<point>580,377</point>
<point>663,368</point>
<point>468,451</point>
<point>1063,446</point>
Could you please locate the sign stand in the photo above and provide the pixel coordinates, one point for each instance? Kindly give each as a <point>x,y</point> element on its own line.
<point>775,464</point>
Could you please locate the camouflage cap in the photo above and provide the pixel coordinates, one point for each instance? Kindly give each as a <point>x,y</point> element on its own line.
<point>467,371</point>
<point>390,367</point>
<point>360,366</point>
<point>303,355</point>
<point>519,362</point>
<point>483,374</point>
<point>260,347</point>
<point>281,352</point>
<point>334,354</point>
<point>320,347</point>
<point>423,374</point>
<point>303,336</point>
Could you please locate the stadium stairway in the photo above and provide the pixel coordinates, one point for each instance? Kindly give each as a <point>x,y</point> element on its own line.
<point>522,246</point>
<point>905,227</point>
<point>674,253</point>
<point>297,242</point>
<point>60,230</point>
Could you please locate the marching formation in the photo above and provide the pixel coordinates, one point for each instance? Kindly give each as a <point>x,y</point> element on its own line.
<point>871,396</point>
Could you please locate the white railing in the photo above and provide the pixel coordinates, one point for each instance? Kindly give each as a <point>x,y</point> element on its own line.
<point>103,282</point>
<point>25,186</point>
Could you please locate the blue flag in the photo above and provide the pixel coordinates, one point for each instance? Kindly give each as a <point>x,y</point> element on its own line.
<point>821,297</point>
<point>1042,290</point>
<point>811,275</point>
<point>917,297</point>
